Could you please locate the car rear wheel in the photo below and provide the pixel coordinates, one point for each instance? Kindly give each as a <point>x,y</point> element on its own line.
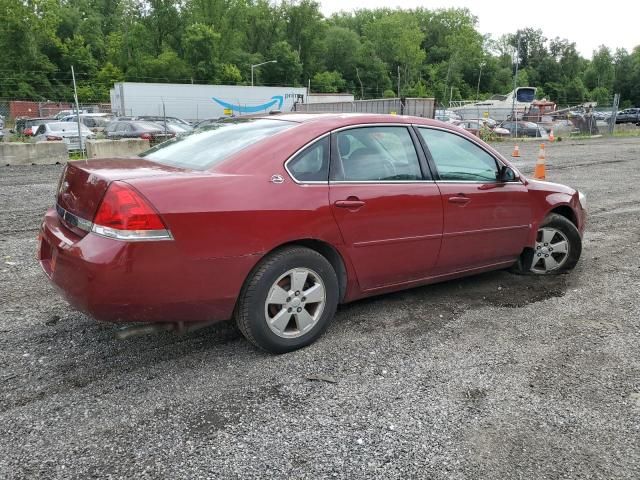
<point>557,249</point>
<point>288,300</point>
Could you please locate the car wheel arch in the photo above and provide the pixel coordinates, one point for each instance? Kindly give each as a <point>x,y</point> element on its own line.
<point>331,253</point>
<point>565,211</point>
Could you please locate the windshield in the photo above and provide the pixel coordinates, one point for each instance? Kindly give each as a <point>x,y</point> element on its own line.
<point>201,149</point>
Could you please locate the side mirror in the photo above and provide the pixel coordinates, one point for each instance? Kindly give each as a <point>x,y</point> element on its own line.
<point>507,174</point>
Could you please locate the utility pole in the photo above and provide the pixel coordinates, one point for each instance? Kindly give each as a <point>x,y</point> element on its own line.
<point>75,97</point>
<point>515,86</point>
<point>398,109</point>
<point>361,87</point>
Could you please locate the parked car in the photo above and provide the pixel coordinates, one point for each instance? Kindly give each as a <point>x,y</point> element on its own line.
<point>65,113</point>
<point>137,129</point>
<point>276,220</point>
<point>66,132</point>
<point>475,126</point>
<point>96,122</point>
<point>208,123</point>
<point>25,126</point>
<point>175,127</point>
<point>629,115</point>
<point>524,129</point>
<point>1,122</point>
<point>448,116</point>
<point>158,119</point>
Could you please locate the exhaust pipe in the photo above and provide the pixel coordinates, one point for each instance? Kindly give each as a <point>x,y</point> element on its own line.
<point>176,327</point>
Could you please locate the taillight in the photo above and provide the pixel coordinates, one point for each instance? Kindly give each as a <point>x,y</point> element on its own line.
<point>53,138</point>
<point>125,214</point>
<point>146,136</point>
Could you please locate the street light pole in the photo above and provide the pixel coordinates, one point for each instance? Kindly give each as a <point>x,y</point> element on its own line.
<point>482,64</point>
<point>257,65</point>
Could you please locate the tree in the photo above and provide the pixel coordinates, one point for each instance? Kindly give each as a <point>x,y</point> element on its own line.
<point>328,82</point>
<point>286,71</point>
<point>230,74</point>
<point>200,46</point>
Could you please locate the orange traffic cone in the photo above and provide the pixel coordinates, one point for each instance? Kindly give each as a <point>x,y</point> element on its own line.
<point>516,152</point>
<point>551,137</point>
<point>540,172</point>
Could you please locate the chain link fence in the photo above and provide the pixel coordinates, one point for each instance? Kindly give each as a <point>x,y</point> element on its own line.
<point>14,109</point>
<point>576,119</point>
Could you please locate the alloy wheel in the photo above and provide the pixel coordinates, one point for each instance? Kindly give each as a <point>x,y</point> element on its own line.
<point>551,250</point>
<point>295,303</point>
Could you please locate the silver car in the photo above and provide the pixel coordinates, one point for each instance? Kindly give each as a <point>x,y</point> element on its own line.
<point>66,132</point>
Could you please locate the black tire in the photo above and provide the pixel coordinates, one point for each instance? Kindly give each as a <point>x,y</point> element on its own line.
<point>525,264</point>
<point>250,313</point>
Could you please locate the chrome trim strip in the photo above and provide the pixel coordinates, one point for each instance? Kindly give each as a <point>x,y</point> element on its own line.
<point>380,182</point>
<point>488,182</point>
<point>375,124</point>
<point>113,233</point>
<point>387,241</point>
<point>132,235</point>
<point>486,230</point>
<point>73,220</point>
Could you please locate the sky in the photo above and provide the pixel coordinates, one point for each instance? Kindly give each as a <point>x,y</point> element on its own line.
<point>587,23</point>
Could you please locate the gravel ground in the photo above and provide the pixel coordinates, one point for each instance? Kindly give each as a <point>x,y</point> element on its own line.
<point>495,376</point>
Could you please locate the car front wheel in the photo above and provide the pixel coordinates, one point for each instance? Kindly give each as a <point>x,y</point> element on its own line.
<point>557,249</point>
<point>288,300</point>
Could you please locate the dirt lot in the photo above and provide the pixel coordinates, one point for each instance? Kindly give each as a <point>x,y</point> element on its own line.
<point>496,376</point>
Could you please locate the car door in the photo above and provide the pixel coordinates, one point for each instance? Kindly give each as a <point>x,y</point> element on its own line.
<point>386,205</point>
<point>112,130</point>
<point>40,133</point>
<point>486,221</point>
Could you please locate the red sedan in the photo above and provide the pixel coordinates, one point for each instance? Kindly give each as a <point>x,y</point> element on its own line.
<point>275,221</point>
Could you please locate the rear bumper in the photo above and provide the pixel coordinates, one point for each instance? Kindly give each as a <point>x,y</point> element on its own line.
<point>119,281</point>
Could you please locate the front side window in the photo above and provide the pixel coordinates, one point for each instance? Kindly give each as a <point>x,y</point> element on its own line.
<point>458,159</point>
<point>312,164</point>
<point>375,154</point>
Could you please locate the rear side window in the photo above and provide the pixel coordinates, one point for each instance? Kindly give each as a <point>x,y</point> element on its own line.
<point>312,164</point>
<point>203,149</point>
<point>375,154</point>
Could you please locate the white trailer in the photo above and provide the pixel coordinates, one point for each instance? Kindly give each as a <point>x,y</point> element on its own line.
<point>197,102</point>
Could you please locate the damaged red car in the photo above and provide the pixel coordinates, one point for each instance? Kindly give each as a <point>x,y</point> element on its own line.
<point>275,221</point>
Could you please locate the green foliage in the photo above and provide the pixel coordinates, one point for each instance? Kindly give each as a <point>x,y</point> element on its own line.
<point>200,46</point>
<point>287,70</point>
<point>328,82</point>
<point>432,52</point>
<point>230,74</point>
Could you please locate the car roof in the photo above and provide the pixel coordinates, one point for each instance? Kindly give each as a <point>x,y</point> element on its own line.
<point>345,119</point>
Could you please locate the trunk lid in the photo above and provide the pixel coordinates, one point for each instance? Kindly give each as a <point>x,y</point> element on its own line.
<point>84,183</point>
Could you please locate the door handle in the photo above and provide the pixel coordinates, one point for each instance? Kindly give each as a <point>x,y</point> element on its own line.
<point>349,203</point>
<point>462,200</point>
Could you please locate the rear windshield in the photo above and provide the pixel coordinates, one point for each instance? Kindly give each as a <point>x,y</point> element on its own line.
<point>205,148</point>
<point>66,126</point>
<point>147,126</point>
